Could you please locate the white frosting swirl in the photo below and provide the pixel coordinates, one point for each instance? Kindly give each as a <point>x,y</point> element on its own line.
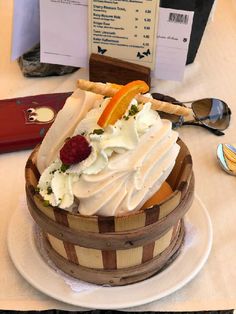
<point>129,162</point>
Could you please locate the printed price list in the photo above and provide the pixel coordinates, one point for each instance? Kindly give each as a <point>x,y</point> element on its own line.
<point>124,29</point>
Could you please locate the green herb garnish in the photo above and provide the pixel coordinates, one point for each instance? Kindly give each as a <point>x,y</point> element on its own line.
<point>98,131</point>
<point>53,171</point>
<point>133,110</point>
<point>64,167</point>
<point>49,190</point>
<point>46,203</point>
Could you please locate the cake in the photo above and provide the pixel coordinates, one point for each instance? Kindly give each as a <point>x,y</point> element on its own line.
<point>114,214</point>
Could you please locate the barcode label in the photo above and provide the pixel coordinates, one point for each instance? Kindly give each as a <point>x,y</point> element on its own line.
<point>178,18</point>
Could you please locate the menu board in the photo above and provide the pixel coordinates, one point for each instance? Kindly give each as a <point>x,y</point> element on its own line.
<point>124,29</point>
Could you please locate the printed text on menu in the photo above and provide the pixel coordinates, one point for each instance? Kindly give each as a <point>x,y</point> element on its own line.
<point>124,29</point>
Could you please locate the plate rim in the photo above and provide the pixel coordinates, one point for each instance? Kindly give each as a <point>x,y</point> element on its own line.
<point>81,299</point>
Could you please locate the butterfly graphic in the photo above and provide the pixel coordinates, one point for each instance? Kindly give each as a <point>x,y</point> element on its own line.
<point>139,55</point>
<point>101,50</point>
<point>147,53</point>
<point>143,54</point>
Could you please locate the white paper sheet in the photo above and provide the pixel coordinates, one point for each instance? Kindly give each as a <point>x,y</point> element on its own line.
<point>64,35</point>
<point>173,37</point>
<point>25,26</point>
<point>63,32</point>
<point>124,30</point>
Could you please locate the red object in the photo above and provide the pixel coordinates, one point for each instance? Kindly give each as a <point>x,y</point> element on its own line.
<point>75,150</point>
<point>25,121</point>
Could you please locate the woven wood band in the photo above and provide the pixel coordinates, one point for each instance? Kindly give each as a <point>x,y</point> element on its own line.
<point>120,276</point>
<point>112,259</point>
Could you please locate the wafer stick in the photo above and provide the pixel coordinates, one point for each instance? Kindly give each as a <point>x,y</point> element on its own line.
<point>110,90</point>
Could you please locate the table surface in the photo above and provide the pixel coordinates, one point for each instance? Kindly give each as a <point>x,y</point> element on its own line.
<point>213,74</point>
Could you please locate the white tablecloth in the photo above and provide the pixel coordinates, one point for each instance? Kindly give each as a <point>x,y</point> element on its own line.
<point>213,73</point>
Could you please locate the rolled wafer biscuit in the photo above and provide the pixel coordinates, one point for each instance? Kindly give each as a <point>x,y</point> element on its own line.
<point>165,106</point>
<point>110,90</point>
<point>98,88</point>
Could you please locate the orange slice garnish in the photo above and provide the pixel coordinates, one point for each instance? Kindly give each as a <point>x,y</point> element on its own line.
<point>119,103</point>
<point>162,194</point>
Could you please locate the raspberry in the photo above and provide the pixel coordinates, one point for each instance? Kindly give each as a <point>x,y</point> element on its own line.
<point>75,150</point>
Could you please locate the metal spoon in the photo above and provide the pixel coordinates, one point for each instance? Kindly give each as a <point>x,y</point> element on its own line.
<point>226,155</point>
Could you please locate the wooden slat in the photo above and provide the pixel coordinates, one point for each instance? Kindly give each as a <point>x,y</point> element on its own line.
<point>109,260</point>
<point>130,222</point>
<point>167,207</point>
<point>79,223</point>
<point>106,225</point>
<point>89,257</point>
<point>107,69</point>
<point>129,258</point>
<point>31,172</point>
<point>152,215</point>
<point>46,210</point>
<point>70,252</point>
<point>61,217</point>
<point>162,243</point>
<point>148,251</point>
<point>177,174</point>
<point>57,245</point>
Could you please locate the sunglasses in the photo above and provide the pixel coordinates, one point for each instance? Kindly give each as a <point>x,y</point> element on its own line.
<point>210,113</point>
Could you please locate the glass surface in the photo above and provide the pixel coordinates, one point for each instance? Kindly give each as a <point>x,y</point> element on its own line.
<point>212,112</point>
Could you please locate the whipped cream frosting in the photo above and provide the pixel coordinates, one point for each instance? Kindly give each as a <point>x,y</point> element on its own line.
<point>129,162</point>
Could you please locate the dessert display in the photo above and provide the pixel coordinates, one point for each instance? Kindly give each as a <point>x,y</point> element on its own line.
<point>109,185</point>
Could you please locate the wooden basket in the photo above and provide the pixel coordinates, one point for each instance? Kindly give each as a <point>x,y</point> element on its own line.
<point>115,250</point>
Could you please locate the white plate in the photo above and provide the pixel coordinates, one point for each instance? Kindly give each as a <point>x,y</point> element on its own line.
<point>36,271</point>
